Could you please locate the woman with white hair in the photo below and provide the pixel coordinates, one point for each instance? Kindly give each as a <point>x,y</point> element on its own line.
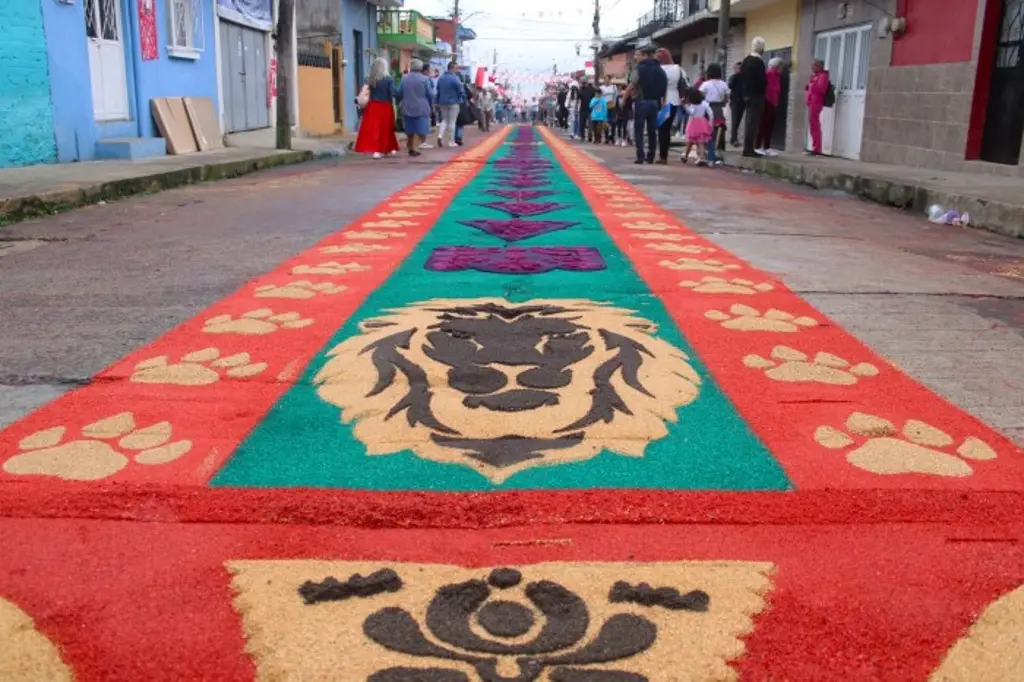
<point>763,141</point>
<point>754,76</point>
<point>414,93</point>
<point>377,127</point>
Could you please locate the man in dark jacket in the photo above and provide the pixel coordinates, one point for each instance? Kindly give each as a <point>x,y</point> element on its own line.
<point>736,103</point>
<point>648,86</point>
<point>587,93</point>
<point>754,77</point>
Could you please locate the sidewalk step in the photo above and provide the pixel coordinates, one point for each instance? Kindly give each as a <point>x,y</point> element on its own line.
<point>131,148</point>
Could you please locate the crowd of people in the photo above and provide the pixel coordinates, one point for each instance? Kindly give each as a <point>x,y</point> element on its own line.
<point>426,99</point>
<point>659,101</point>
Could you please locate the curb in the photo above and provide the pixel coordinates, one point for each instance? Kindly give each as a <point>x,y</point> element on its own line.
<point>994,216</point>
<point>47,203</point>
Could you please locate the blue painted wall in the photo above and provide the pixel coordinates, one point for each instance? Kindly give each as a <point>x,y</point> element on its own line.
<point>26,117</point>
<point>171,76</point>
<point>75,127</point>
<point>356,15</point>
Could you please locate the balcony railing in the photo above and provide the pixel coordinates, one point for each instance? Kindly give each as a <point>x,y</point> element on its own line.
<point>666,13</point>
<point>405,26</point>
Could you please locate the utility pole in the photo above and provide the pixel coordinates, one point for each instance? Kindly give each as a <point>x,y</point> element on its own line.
<point>455,23</point>
<point>285,72</point>
<point>597,40</point>
<point>723,36</point>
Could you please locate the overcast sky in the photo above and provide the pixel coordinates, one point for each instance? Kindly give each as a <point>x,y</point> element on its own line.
<point>531,36</point>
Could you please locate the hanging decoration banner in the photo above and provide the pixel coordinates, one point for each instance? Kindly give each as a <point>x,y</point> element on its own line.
<point>147,31</point>
<point>255,13</point>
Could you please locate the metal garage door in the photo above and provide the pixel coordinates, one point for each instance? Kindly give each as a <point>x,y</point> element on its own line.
<point>244,72</point>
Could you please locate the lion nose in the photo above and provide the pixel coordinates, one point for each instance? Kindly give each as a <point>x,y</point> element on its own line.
<point>477,380</point>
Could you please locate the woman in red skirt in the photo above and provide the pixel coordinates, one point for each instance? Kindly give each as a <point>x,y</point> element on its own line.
<point>377,127</point>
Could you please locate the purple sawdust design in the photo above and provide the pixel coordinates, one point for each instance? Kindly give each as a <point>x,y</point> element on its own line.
<point>517,229</point>
<point>524,182</point>
<point>523,208</point>
<point>521,194</point>
<point>516,260</point>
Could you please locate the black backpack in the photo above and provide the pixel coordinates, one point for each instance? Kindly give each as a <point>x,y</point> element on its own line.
<point>830,95</point>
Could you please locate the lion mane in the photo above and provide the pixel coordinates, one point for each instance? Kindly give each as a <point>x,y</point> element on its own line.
<point>502,387</point>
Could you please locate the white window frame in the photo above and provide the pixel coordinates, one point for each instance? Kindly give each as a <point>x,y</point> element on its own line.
<point>193,43</point>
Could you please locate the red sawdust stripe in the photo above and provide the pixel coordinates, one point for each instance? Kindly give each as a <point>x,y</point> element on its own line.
<point>215,418</point>
<point>784,415</point>
<point>123,601</point>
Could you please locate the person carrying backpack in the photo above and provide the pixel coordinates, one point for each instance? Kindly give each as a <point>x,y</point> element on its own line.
<point>818,89</point>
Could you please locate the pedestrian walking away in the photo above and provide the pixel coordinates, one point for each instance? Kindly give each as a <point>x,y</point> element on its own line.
<point>765,130</point>
<point>716,94</point>
<point>587,94</point>
<point>817,91</point>
<point>450,94</point>
<point>675,81</point>
<point>648,84</point>
<point>377,128</point>
<point>736,104</point>
<point>754,76</point>
<point>415,101</point>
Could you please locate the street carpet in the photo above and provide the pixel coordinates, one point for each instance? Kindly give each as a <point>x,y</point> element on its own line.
<point>516,423</point>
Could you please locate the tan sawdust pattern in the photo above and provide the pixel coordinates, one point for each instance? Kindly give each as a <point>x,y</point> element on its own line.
<point>992,650</point>
<point>290,640</point>
<point>350,376</point>
<point>26,655</point>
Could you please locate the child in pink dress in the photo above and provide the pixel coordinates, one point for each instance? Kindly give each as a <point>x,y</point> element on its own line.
<point>699,128</point>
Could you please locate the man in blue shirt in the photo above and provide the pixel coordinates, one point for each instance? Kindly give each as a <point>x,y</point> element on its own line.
<point>450,94</point>
<point>648,86</point>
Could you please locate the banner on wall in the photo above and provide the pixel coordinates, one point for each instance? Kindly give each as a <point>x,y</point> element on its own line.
<point>147,30</point>
<point>254,13</point>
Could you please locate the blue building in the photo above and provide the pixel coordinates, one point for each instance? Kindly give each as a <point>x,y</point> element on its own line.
<point>26,131</point>
<point>110,58</point>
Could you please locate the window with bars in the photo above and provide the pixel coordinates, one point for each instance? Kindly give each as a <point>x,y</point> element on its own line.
<point>187,30</point>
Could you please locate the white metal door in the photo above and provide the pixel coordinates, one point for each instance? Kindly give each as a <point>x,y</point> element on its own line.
<point>845,53</point>
<point>106,59</point>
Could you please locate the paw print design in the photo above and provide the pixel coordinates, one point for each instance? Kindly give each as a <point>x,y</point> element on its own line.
<point>104,448</point>
<point>648,225</point>
<point>330,268</point>
<point>200,368</point>
<point>746,319</point>
<point>255,322</point>
<point>664,237</point>
<point>354,248</point>
<point>692,249</point>
<point>718,285</point>
<point>789,364</point>
<point>705,265</point>
<point>389,224</point>
<point>372,234</point>
<point>298,289</point>
<point>918,448</point>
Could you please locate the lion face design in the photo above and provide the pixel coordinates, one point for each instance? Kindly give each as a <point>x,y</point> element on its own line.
<point>501,386</point>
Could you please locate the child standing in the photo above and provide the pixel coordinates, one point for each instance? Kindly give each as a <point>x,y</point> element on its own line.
<point>598,117</point>
<point>698,128</point>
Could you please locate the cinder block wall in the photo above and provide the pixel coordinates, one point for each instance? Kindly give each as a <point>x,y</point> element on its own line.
<point>26,132</point>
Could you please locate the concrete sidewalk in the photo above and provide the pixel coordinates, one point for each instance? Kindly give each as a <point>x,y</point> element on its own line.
<point>44,189</point>
<point>995,203</point>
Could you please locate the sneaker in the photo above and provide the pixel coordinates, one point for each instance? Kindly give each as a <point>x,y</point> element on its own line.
<point>718,163</point>
<point>393,153</point>
<point>639,162</point>
<point>440,142</point>
<point>759,152</point>
<point>770,152</point>
<point>682,157</point>
<point>702,163</point>
<point>452,144</point>
<point>378,155</point>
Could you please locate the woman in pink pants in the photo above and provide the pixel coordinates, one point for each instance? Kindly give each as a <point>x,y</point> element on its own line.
<point>816,89</point>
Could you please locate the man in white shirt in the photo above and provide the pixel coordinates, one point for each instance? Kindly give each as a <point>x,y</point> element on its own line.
<point>674,74</point>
